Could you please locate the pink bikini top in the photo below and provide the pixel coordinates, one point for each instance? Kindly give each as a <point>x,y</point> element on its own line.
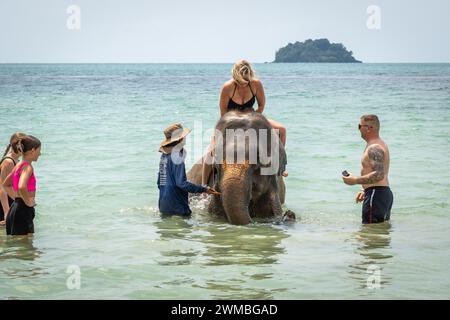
<point>31,186</point>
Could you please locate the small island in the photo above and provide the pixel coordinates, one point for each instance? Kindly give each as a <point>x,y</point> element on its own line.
<point>320,50</point>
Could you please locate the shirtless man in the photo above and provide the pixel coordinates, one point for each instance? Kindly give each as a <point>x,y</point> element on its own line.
<point>376,195</point>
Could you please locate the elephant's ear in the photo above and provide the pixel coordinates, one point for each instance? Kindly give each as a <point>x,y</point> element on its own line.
<point>274,182</point>
<point>282,156</point>
<point>283,159</point>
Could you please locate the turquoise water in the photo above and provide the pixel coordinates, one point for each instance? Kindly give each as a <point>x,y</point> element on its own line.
<point>101,125</point>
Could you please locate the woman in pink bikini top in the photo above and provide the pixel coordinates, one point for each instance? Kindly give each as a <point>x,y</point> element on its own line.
<point>23,173</point>
<point>31,184</point>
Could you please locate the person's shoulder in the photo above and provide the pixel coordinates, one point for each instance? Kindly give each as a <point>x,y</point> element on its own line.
<point>380,144</point>
<point>228,87</point>
<point>163,156</point>
<point>28,166</point>
<point>178,156</point>
<point>24,167</point>
<point>228,84</point>
<point>374,146</point>
<point>256,84</point>
<point>376,150</point>
<point>7,162</point>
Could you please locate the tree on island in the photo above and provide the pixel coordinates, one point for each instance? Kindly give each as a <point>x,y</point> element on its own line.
<point>320,50</point>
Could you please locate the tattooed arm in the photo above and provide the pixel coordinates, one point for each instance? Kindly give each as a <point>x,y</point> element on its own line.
<point>376,160</point>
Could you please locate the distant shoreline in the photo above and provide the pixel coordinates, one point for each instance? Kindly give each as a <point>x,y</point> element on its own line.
<point>277,63</point>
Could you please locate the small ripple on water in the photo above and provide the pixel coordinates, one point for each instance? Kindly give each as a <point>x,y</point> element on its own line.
<point>147,210</point>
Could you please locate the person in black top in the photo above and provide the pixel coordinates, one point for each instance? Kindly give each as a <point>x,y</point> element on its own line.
<point>240,93</point>
<point>232,105</point>
<point>7,164</point>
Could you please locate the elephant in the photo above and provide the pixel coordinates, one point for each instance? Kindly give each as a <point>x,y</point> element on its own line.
<point>254,187</point>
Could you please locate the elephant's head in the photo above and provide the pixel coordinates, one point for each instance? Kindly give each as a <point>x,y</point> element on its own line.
<point>249,160</point>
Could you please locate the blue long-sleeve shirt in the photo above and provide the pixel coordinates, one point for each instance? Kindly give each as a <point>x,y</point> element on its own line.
<point>173,185</point>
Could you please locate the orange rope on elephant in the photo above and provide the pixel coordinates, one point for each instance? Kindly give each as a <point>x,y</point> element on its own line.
<point>235,168</point>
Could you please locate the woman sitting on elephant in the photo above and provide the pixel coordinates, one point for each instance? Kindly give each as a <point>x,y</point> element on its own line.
<point>240,93</point>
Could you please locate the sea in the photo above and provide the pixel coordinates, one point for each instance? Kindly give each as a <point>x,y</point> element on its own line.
<point>98,232</point>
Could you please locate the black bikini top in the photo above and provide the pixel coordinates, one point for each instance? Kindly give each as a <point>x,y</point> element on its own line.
<point>3,159</point>
<point>241,107</point>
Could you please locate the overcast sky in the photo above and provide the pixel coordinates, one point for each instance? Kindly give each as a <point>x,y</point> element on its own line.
<point>218,31</point>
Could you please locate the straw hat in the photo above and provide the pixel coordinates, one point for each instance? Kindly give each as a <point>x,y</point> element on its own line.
<point>174,132</point>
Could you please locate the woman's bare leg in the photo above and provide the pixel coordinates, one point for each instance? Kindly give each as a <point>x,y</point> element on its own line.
<point>206,168</point>
<point>207,162</point>
<point>282,131</point>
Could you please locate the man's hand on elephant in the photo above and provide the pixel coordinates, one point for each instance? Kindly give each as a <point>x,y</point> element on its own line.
<point>212,191</point>
<point>360,196</point>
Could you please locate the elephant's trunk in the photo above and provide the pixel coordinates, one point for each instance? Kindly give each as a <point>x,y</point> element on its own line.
<point>236,190</point>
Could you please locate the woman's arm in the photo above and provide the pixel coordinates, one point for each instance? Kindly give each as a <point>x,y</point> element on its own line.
<point>260,96</point>
<point>4,201</point>
<point>6,167</point>
<point>7,186</point>
<point>23,186</point>
<point>223,103</point>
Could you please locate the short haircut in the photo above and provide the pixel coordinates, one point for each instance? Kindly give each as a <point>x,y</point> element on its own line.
<point>372,120</point>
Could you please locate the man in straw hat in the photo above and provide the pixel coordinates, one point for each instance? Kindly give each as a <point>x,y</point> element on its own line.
<point>172,182</point>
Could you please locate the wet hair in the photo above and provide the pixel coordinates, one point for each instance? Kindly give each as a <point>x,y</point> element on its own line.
<point>13,142</point>
<point>243,72</point>
<point>372,120</point>
<point>28,143</point>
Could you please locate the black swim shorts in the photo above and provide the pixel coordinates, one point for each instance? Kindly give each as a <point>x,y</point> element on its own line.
<point>2,214</point>
<point>20,218</point>
<point>377,204</point>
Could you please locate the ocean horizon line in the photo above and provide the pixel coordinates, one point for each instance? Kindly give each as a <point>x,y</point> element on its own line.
<point>215,63</point>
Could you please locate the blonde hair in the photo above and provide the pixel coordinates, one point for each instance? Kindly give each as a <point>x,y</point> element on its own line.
<point>243,72</point>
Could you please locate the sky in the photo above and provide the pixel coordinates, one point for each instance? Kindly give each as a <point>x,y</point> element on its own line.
<point>211,31</point>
